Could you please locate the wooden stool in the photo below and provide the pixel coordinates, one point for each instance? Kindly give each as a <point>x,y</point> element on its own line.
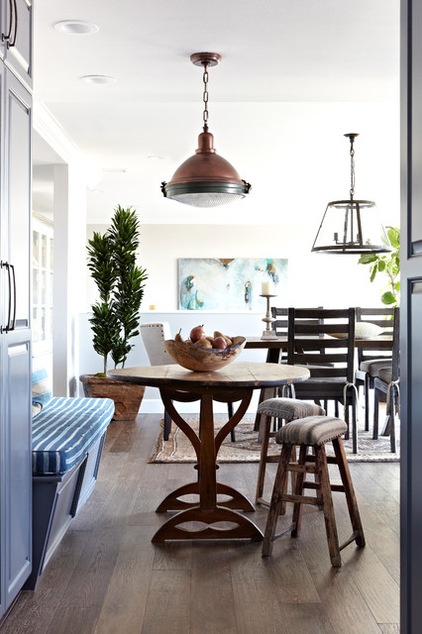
<point>278,409</point>
<point>313,432</point>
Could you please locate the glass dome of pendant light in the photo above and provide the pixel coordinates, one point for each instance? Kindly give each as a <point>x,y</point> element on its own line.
<point>205,179</point>
<point>351,226</point>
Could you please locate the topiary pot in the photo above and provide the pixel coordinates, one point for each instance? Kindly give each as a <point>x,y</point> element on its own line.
<point>127,397</point>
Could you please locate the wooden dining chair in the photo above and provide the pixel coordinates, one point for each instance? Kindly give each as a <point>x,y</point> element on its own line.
<point>374,320</point>
<point>324,341</point>
<point>279,325</point>
<point>387,385</point>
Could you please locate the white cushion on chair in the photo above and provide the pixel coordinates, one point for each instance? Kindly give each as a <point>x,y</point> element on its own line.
<point>153,336</point>
<point>363,330</point>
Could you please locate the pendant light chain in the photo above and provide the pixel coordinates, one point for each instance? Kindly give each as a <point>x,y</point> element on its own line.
<point>352,168</point>
<point>205,97</point>
<point>352,136</point>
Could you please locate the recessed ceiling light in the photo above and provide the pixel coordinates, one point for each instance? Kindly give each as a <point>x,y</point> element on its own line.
<point>76,27</point>
<point>98,79</point>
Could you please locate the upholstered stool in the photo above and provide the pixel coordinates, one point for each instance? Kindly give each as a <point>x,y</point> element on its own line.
<point>278,409</point>
<point>312,433</point>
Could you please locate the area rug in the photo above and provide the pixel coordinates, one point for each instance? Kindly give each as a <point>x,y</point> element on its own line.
<point>246,448</point>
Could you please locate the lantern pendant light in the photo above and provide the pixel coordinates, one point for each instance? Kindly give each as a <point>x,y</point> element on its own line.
<point>205,179</point>
<point>351,226</point>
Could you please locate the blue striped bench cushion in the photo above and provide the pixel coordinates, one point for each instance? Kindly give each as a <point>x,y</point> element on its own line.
<point>65,429</point>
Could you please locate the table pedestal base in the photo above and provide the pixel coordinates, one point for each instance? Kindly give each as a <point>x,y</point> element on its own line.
<point>211,517</point>
<point>236,501</point>
<point>240,526</point>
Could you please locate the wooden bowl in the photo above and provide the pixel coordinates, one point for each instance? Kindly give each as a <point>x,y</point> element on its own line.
<point>198,359</point>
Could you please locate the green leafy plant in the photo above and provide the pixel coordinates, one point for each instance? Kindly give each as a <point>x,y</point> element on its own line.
<point>120,283</point>
<point>387,264</point>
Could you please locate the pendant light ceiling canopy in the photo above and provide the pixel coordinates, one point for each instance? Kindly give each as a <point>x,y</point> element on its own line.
<point>205,179</point>
<point>351,226</point>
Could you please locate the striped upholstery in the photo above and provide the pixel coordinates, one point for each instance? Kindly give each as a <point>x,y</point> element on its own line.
<point>41,390</point>
<point>312,430</point>
<point>289,408</point>
<point>65,430</point>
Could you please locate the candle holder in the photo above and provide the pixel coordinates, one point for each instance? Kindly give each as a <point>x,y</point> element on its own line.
<point>268,333</point>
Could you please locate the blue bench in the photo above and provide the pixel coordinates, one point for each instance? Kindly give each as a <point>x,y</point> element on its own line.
<point>68,436</point>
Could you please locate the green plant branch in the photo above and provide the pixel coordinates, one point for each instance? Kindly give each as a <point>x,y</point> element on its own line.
<point>387,264</point>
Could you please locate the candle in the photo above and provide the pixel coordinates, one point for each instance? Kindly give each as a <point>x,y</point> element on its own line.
<point>266,288</point>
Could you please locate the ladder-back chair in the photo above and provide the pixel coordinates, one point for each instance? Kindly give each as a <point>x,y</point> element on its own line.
<point>324,341</point>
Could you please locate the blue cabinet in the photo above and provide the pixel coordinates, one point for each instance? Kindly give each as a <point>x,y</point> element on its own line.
<point>16,37</point>
<point>15,335</point>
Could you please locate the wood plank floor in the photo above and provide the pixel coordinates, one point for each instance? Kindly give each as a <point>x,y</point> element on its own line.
<point>107,576</point>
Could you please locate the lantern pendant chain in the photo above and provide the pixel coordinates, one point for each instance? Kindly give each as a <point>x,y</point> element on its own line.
<point>352,170</point>
<point>352,136</point>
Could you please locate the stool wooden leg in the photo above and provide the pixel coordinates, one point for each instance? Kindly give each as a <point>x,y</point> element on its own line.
<point>327,506</point>
<point>346,478</point>
<point>276,500</point>
<point>264,432</point>
<point>298,480</point>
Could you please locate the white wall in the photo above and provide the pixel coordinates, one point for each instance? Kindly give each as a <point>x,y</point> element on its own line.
<point>313,278</point>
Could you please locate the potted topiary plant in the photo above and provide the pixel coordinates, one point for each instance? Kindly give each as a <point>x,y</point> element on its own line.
<point>115,315</point>
<point>387,264</point>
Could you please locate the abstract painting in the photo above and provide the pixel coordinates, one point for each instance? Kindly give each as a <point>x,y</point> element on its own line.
<point>232,284</point>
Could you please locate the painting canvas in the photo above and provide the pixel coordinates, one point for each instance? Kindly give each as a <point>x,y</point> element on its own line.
<point>228,284</point>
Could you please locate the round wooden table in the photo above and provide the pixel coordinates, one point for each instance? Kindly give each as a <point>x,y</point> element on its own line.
<point>233,383</point>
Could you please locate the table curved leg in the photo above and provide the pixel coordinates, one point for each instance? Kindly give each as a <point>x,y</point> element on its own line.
<point>240,527</point>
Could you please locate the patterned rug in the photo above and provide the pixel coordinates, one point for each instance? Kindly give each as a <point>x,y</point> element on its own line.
<point>246,447</point>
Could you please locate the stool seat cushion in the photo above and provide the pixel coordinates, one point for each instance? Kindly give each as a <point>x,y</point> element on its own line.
<point>289,408</point>
<point>312,430</point>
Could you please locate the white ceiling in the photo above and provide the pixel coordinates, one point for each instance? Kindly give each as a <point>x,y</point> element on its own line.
<point>138,129</point>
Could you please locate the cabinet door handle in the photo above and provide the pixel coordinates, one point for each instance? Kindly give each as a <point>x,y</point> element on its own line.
<point>13,25</point>
<point>11,316</point>
<point>11,321</point>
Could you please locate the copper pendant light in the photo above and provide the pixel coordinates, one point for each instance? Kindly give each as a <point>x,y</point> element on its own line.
<point>205,179</point>
<point>351,226</point>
